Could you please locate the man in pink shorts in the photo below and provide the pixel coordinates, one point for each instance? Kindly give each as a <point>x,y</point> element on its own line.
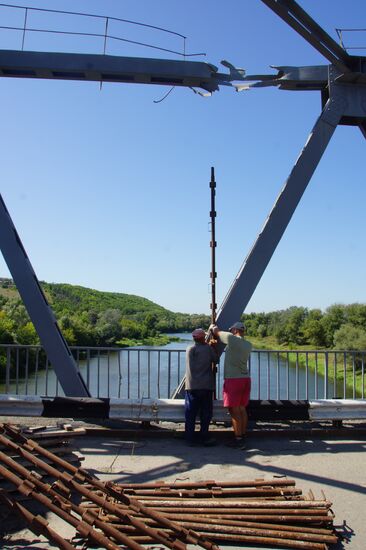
<point>237,383</point>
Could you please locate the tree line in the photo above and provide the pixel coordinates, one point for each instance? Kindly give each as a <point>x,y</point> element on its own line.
<point>94,318</point>
<point>91,318</point>
<point>340,326</point>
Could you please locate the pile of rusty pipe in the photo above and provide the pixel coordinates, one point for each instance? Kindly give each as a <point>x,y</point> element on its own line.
<point>204,513</point>
<point>27,487</point>
<point>38,523</point>
<point>69,482</point>
<point>250,539</point>
<point>88,516</point>
<point>249,519</point>
<point>301,537</point>
<point>190,519</point>
<point>188,536</point>
<point>267,531</point>
<point>283,532</point>
<point>317,514</point>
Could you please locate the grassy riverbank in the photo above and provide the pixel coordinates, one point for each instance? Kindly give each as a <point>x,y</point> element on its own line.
<point>160,340</point>
<point>306,356</point>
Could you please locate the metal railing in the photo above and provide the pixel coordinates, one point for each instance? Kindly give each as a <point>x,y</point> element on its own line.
<point>131,373</point>
<point>28,21</point>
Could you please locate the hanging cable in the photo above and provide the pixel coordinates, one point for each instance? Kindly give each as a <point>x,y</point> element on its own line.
<point>165,96</point>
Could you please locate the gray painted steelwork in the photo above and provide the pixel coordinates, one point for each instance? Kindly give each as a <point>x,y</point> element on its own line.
<point>344,102</point>
<point>107,68</point>
<point>256,262</point>
<point>172,410</point>
<point>101,68</point>
<point>38,308</point>
<point>343,91</point>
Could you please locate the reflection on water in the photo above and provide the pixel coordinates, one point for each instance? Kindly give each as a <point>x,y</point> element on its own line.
<point>146,372</point>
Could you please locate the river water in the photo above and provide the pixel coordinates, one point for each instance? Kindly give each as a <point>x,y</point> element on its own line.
<point>135,373</point>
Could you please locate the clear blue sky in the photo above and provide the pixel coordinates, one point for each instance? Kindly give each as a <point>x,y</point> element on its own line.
<point>109,190</point>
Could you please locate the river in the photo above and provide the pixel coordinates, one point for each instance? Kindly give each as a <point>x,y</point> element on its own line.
<point>135,373</point>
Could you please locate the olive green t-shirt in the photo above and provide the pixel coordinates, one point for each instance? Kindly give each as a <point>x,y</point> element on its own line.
<point>236,355</point>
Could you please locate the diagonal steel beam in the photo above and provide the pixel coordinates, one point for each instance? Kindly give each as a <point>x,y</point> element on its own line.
<point>303,24</point>
<point>256,262</point>
<point>362,127</point>
<point>38,308</point>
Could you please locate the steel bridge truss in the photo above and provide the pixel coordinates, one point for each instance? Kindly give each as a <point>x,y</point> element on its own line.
<point>342,84</point>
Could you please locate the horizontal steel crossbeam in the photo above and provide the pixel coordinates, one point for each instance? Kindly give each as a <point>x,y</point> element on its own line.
<point>108,68</point>
<point>172,410</point>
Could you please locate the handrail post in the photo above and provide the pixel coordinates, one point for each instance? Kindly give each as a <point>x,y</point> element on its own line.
<point>7,374</point>
<point>325,375</point>
<point>24,27</point>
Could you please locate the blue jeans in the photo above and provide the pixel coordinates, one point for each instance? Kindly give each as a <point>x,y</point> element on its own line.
<point>198,402</point>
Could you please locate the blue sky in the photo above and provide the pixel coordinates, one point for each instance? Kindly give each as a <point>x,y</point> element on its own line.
<point>109,190</point>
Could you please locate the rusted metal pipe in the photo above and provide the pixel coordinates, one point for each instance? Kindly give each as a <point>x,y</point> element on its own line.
<point>253,512</point>
<point>27,488</point>
<point>68,481</point>
<point>268,541</point>
<point>37,524</point>
<point>81,474</point>
<point>251,539</point>
<point>248,503</point>
<point>265,532</point>
<point>217,493</point>
<point>254,518</point>
<point>188,535</point>
<point>184,518</point>
<point>67,504</point>
<point>280,531</point>
<point>209,484</point>
<point>224,512</point>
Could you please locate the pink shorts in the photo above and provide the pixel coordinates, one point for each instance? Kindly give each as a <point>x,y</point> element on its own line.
<point>236,392</point>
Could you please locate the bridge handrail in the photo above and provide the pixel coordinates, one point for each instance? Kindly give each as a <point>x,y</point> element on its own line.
<point>105,35</point>
<point>153,372</point>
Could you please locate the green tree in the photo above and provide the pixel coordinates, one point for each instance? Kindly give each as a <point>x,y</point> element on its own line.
<point>108,328</point>
<point>334,317</point>
<point>27,335</point>
<point>356,315</point>
<point>7,327</point>
<point>130,329</point>
<point>148,327</point>
<point>16,311</point>
<point>313,330</point>
<point>349,337</point>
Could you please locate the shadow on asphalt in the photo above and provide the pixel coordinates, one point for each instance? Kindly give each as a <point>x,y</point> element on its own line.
<point>184,458</point>
<point>177,460</point>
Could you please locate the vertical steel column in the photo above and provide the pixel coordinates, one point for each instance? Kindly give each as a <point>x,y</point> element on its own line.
<point>213,245</point>
<point>258,258</point>
<point>38,308</point>
<point>213,273</point>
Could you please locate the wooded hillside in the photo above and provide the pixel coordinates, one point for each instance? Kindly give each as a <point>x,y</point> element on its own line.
<point>91,317</point>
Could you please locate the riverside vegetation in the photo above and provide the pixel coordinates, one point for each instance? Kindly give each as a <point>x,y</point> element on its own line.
<point>93,318</point>
<point>339,328</point>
